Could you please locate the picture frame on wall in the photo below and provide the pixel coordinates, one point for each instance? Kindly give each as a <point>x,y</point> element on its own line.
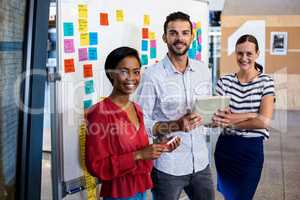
<point>278,44</point>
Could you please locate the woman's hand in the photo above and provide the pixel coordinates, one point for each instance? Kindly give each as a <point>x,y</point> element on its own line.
<point>151,152</point>
<point>224,118</point>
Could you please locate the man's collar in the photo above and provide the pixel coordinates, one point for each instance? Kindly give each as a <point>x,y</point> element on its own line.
<point>168,65</point>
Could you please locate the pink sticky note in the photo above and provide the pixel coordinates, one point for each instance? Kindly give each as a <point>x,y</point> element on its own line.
<point>194,24</point>
<point>199,39</point>
<point>69,46</point>
<point>152,43</point>
<point>82,53</point>
<point>198,56</point>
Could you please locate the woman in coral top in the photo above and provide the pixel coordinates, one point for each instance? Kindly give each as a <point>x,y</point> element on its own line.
<point>117,147</point>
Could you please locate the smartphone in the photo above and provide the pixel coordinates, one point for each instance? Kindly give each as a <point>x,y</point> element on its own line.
<point>172,140</point>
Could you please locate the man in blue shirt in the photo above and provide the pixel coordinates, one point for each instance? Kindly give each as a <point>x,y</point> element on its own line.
<point>166,94</point>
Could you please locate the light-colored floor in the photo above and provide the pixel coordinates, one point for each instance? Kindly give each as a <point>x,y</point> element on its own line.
<point>281,174</point>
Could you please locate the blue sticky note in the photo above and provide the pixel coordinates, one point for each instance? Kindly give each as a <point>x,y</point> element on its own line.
<point>93,38</point>
<point>192,53</point>
<point>144,59</point>
<point>199,32</point>
<point>144,45</point>
<point>89,87</point>
<point>87,103</point>
<point>68,29</point>
<point>152,53</point>
<point>92,53</point>
<point>199,48</point>
<point>194,44</point>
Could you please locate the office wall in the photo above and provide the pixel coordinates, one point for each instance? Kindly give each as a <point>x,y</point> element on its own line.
<point>284,68</point>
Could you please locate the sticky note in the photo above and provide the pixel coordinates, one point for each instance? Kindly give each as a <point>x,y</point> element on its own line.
<point>199,39</point>
<point>199,31</point>
<point>194,25</point>
<point>82,54</point>
<point>194,44</point>
<point>152,53</point>
<point>152,43</point>
<point>68,29</point>
<point>145,33</point>
<point>199,47</point>
<point>146,20</point>
<point>198,25</point>
<point>93,38</point>
<point>119,15</point>
<point>82,11</point>
<point>104,19</point>
<point>87,103</point>
<point>87,70</point>
<point>144,45</point>
<point>198,56</point>
<point>89,87</point>
<point>84,39</point>
<point>144,59</point>
<point>82,25</point>
<point>92,53</point>
<point>69,65</point>
<point>192,53</point>
<point>152,36</point>
<point>69,46</point>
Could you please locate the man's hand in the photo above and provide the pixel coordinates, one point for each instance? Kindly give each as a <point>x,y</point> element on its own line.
<point>189,121</point>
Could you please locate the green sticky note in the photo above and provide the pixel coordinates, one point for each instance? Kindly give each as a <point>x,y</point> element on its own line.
<point>144,59</point>
<point>152,53</point>
<point>87,103</point>
<point>89,87</point>
<point>68,29</point>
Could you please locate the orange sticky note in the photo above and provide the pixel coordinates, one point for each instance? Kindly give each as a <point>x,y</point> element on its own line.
<point>69,65</point>
<point>145,33</point>
<point>87,70</point>
<point>104,19</point>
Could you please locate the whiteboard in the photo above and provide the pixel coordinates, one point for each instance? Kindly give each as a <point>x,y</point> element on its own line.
<point>72,89</point>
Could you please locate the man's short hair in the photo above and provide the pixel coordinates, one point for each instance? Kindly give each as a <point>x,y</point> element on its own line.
<point>177,16</point>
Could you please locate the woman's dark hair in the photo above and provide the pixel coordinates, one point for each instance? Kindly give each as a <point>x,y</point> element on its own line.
<point>252,39</point>
<point>115,57</point>
<point>177,16</point>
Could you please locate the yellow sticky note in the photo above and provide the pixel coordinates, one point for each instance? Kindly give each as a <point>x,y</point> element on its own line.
<point>82,11</point>
<point>84,39</point>
<point>198,25</point>
<point>152,36</point>
<point>146,20</point>
<point>194,31</point>
<point>119,15</point>
<point>82,25</point>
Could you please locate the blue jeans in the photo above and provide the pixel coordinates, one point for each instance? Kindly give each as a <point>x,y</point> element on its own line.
<point>198,186</point>
<point>137,196</point>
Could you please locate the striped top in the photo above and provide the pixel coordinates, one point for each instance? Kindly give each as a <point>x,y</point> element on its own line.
<point>246,98</point>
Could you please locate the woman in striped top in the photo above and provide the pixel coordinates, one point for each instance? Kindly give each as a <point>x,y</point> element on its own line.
<point>239,151</point>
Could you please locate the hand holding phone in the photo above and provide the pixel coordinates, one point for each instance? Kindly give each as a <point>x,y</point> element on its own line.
<point>172,144</point>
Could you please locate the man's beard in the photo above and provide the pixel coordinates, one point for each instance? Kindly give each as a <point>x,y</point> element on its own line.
<point>178,52</point>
